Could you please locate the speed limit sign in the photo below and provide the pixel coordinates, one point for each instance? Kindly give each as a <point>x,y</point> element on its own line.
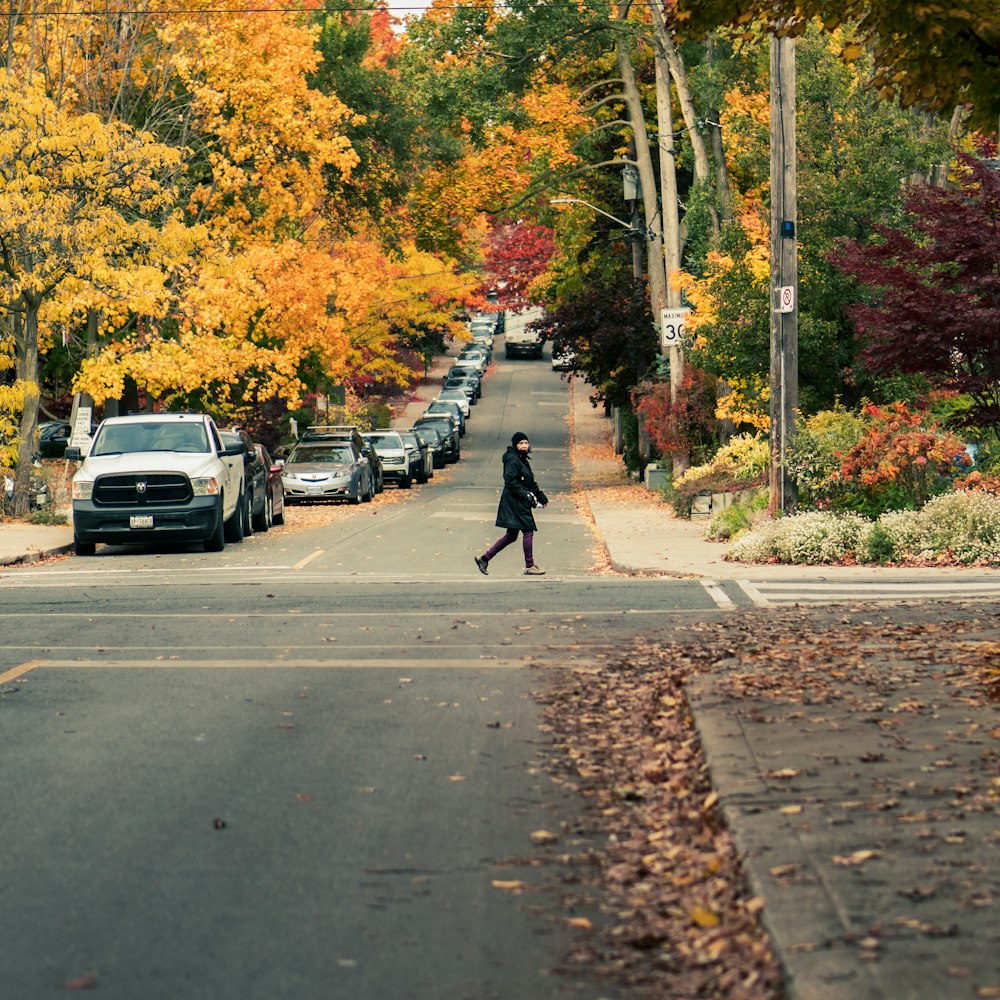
<point>672,327</point>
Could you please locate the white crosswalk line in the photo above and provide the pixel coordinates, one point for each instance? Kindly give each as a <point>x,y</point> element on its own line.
<point>768,593</point>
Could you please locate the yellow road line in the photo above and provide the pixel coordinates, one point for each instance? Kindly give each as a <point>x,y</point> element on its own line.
<point>20,671</point>
<point>308,559</point>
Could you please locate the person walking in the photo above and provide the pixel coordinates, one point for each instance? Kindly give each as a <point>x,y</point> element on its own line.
<point>520,494</point>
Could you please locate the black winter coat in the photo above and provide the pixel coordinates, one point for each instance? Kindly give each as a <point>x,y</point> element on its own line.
<point>515,503</point>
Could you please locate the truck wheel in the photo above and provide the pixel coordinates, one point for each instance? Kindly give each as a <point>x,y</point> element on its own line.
<point>234,526</point>
<point>82,548</point>
<point>216,541</point>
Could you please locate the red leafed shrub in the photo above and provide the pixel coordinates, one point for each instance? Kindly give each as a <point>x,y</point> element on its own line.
<point>902,460</point>
<point>684,426</point>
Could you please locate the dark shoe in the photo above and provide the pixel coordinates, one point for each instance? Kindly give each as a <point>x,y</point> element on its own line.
<point>482,564</point>
<point>534,571</point>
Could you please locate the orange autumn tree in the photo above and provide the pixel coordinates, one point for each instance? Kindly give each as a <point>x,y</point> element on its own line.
<point>262,143</point>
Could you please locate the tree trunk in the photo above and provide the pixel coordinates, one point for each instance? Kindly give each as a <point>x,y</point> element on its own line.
<point>680,461</point>
<point>722,192</point>
<point>27,373</point>
<point>647,178</point>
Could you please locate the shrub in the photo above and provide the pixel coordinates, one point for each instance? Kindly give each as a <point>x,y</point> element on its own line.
<point>736,518</point>
<point>961,527</point>
<point>742,464</point>
<point>816,452</point>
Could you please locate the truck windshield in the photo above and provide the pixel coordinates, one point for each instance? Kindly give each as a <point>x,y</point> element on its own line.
<point>118,439</point>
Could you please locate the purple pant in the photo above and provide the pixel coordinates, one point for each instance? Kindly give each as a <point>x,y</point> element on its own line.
<point>511,536</point>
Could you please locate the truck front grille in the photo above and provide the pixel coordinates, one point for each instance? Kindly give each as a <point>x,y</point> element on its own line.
<point>151,490</point>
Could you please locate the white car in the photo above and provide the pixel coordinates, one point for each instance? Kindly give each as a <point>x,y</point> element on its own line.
<point>397,459</point>
<point>459,396</point>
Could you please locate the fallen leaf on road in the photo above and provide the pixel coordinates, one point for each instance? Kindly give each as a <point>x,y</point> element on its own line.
<point>579,923</point>
<point>544,837</point>
<point>703,916</point>
<point>512,885</point>
<point>87,982</point>
<point>857,858</point>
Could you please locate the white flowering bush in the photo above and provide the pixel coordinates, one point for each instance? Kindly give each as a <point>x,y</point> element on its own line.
<point>813,537</point>
<point>961,527</point>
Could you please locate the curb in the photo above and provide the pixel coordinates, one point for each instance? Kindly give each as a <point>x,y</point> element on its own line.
<point>22,558</point>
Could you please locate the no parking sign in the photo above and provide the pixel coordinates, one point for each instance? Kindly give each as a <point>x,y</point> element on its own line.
<point>786,299</point>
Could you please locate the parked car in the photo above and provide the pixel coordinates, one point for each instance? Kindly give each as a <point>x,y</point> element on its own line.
<point>254,476</point>
<point>563,361</point>
<point>448,406</point>
<point>327,470</point>
<point>275,491</point>
<point>459,396</point>
<point>418,445</point>
<point>53,437</point>
<point>469,385</point>
<point>398,463</point>
<point>335,432</point>
<point>445,423</point>
<point>476,354</point>
<point>469,370</point>
<point>435,439</point>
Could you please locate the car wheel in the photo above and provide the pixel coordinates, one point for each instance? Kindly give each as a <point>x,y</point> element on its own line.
<point>82,548</point>
<point>262,521</point>
<point>279,517</point>
<point>405,483</point>
<point>234,526</point>
<point>216,541</point>
<point>248,514</point>
<point>369,493</point>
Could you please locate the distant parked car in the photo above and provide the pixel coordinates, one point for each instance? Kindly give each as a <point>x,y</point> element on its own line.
<point>327,470</point>
<point>53,437</point>
<point>445,423</point>
<point>397,462</point>
<point>435,439</point>
<point>448,407</point>
<point>275,492</point>
<point>563,361</point>
<point>459,396</point>
<point>469,385</point>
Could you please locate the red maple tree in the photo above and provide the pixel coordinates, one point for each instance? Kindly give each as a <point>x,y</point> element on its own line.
<point>516,254</point>
<point>935,303</point>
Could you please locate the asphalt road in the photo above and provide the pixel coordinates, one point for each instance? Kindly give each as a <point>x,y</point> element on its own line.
<point>308,766</point>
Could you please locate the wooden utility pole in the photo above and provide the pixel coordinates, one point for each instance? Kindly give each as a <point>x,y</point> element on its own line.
<point>784,274</point>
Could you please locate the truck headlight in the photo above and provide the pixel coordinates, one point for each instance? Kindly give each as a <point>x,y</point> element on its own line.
<point>83,490</point>
<point>205,487</point>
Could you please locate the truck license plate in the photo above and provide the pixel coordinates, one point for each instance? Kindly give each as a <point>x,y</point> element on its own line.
<point>141,521</point>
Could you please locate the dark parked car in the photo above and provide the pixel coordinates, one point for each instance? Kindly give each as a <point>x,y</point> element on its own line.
<point>275,488</point>
<point>445,406</point>
<point>53,437</point>
<point>445,423</point>
<point>255,476</point>
<point>435,440</point>
<point>327,470</point>
<point>468,385</point>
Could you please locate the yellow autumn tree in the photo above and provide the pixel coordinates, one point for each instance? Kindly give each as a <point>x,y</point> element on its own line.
<point>84,214</point>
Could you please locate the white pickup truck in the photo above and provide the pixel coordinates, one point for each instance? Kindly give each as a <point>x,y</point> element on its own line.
<point>154,477</point>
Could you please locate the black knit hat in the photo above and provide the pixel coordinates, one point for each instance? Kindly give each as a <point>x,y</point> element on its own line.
<point>517,438</point>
